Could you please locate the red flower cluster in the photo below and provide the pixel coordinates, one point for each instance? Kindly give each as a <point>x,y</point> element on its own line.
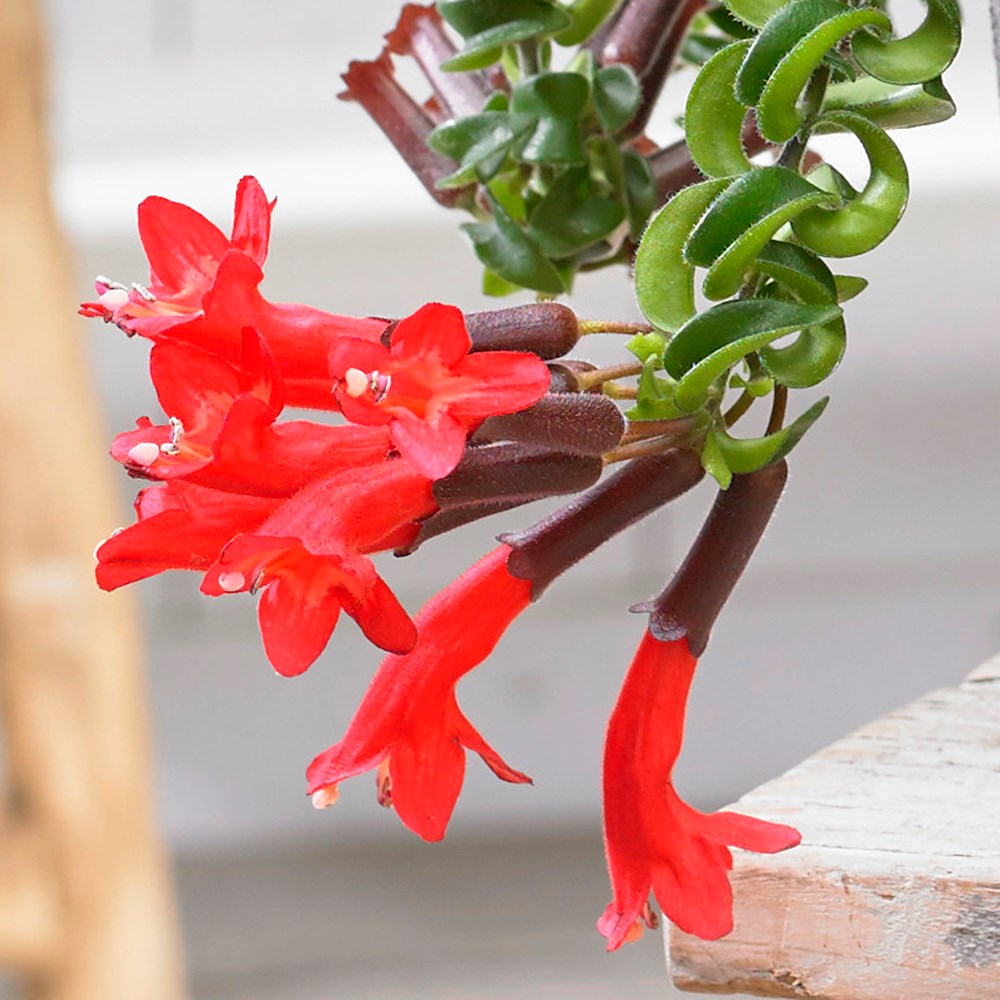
<point>293,510</point>
<point>288,508</point>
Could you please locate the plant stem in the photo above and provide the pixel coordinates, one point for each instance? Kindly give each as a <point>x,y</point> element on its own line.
<point>778,406</point>
<point>586,326</point>
<point>812,105</point>
<point>614,391</point>
<point>738,408</point>
<point>588,380</point>
<point>637,449</point>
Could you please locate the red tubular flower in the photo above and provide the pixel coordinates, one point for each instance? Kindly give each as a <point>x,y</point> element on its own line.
<point>309,559</point>
<point>428,388</point>
<point>184,251</point>
<point>222,432</point>
<point>179,526</point>
<point>654,840</point>
<point>409,724</point>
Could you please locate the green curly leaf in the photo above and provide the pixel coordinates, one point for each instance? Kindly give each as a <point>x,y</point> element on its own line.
<point>617,97</point>
<point>478,143</point>
<point>741,221</point>
<point>488,25</point>
<point>664,280</point>
<point>708,345</point>
<point>713,119</point>
<point>867,218</point>
<point>920,56</point>
<point>890,106</point>
<point>778,115</point>
<point>572,215</point>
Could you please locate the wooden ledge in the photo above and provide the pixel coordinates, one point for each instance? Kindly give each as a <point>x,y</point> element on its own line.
<point>895,891</point>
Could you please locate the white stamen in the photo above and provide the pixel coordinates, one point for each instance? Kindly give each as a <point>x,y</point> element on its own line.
<point>114,299</point>
<point>173,447</point>
<point>232,583</point>
<point>143,292</point>
<point>355,382</point>
<point>325,797</point>
<point>144,453</point>
<point>103,284</point>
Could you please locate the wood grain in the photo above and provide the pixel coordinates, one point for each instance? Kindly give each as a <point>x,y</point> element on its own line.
<point>895,891</point>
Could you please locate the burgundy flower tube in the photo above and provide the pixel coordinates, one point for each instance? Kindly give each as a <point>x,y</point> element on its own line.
<point>374,86</point>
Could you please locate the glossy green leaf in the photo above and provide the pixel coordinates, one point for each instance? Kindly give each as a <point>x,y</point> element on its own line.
<point>488,25</point>
<point>892,106</point>
<point>478,141</point>
<point>664,280</point>
<point>572,215</point>
<point>755,12</point>
<point>504,249</point>
<point>779,36</point>
<point>742,220</point>
<point>743,455</point>
<point>708,345</point>
<point>556,100</point>
<point>920,56</point>
<point>617,96</point>
<point>587,16</point>
<point>714,462</point>
<point>778,115</point>
<point>713,119</point>
<point>640,191</point>
<point>866,220</point>
<point>849,286</point>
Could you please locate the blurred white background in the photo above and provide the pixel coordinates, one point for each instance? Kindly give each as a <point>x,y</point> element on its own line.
<point>879,579</point>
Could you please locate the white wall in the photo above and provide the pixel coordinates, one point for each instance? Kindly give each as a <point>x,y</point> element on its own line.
<point>878,580</point>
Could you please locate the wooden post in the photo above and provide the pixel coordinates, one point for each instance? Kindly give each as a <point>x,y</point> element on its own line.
<point>85,902</point>
<point>895,891</point>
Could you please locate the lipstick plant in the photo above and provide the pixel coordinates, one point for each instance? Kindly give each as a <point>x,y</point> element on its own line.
<point>536,129</point>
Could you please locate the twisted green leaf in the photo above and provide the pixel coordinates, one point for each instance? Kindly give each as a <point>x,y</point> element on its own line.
<point>890,106</point>
<point>708,345</point>
<point>556,100</point>
<point>509,253</point>
<point>920,56</point>
<point>778,116</point>
<point>713,118</point>
<point>664,280</point>
<point>741,221</point>
<point>868,217</point>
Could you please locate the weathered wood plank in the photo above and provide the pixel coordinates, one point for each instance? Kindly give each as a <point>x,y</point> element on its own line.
<point>895,893</point>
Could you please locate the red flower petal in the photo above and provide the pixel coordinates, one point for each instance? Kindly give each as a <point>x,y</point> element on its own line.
<point>426,775</point>
<point>252,220</point>
<point>504,382</point>
<point>183,247</point>
<point>383,619</point>
<point>180,526</point>
<point>434,447</point>
<point>295,628</point>
<point>433,329</point>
